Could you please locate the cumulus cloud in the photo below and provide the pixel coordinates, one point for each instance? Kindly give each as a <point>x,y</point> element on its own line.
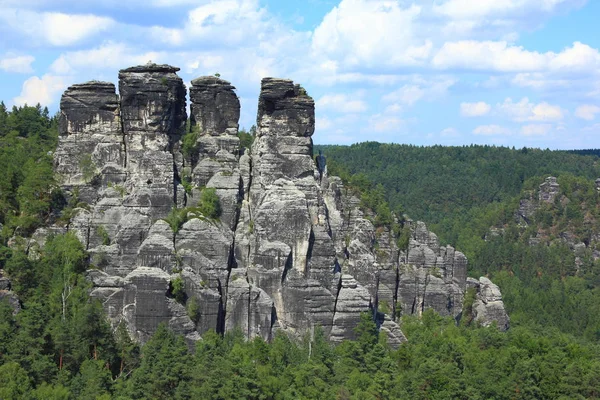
<point>503,57</point>
<point>478,109</point>
<point>524,110</point>
<point>587,112</point>
<point>54,28</point>
<point>42,90</point>
<point>109,55</point>
<point>371,33</point>
<point>418,89</point>
<point>18,64</point>
<point>385,124</point>
<point>487,55</point>
<point>535,129</point>
<point>482,9</point>
<point>449,133</point>
<point>491,130</point>
<point>341,103</point>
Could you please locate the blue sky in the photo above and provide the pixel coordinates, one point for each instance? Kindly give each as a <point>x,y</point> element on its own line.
<point>453,72</point>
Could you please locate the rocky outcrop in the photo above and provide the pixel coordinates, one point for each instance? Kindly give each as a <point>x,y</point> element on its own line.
<point>292,248</point>
<point>549,190</point>
<point>7,295</point>
<point>488,307</point>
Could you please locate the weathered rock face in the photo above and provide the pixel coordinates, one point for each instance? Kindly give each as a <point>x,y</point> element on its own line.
<point>7,294</point>
<point>549,190</point>
<point>488,307</point>
<point>292,248</point>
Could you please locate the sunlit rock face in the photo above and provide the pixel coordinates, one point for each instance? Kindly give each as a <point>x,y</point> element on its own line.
<point>292,249</point>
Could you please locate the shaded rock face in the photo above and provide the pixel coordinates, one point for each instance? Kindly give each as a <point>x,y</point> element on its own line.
<point>488,307</point>
<point>291,250</point>
<point>549,190</point>
<point>7,295</point>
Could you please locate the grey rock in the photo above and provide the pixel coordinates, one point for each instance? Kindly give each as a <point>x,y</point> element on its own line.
<point>352,300</point>
<point>4,281</point>
<point>249,308</point>
<point>215,107</point>
<point>488,307</point>
<point>292,249</point>
<point>549,190</point>
<point>395,336</point>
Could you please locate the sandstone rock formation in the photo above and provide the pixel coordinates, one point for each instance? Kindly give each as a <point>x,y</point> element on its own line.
<point>6,293</point>
<point>292,249</point>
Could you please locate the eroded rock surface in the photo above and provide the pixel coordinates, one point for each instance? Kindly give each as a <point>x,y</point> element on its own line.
<point>292,248</point>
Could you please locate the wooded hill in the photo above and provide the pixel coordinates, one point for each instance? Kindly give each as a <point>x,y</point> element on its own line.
<point>546,263</point>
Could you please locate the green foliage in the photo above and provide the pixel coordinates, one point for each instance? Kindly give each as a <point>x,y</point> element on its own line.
<point>209,207</point>
<point>176,218</point>
<point>384,307</point>
<point>404,238</point>
<point>119,188</point>
<point>27,136</point>
<point>193,309</point>
<point>177,288</point>
<point>467,312</point>
<point>165,369</point>
<point>247,137</point>
<point>87,167</point>
<point>209,204</point>
<point>462,192</point>
<point>187,184</point>
<point>103,235</point>
<point>366,332</point>
<point>439,184</point>
<point>189,143</point>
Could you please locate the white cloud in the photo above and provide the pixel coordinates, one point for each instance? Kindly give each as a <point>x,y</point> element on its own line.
<point>489,130</point>
<point>502,57</point>
<point>19,64</point>
<point>42,90</point>
<point>382,123</point>
<point>540,80</point>
<point>525,110</point>
<point>497,9</point>
<point>535,129</point>
<point>449,133</point>
<point>418,89</point>
<point>577,58</point>
<point>487,55</point>
<point>341,103</point>
<point>478,109</point>
<point>369,34</point>
<point>57,29</point>
<point>587,112</point>
<point>394,108</point>
<point>323,123</point>
<point>407,94</point>
<point>109,55</point>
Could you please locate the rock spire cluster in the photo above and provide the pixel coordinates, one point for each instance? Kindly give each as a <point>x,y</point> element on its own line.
<point>291,249</point>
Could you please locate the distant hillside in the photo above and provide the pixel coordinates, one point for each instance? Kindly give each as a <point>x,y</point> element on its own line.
<point>538,238</point>
<point>438,184</point>
<point>587,152</point>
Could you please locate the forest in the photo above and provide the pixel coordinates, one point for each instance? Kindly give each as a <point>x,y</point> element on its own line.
<point>470,197</point>
<point>58,344</point>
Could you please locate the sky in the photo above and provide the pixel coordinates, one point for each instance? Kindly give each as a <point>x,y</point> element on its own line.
<point>423,72</point>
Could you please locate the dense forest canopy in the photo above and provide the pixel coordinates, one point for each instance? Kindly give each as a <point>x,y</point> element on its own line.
<point>59,345</point>
<point>437,184</point>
